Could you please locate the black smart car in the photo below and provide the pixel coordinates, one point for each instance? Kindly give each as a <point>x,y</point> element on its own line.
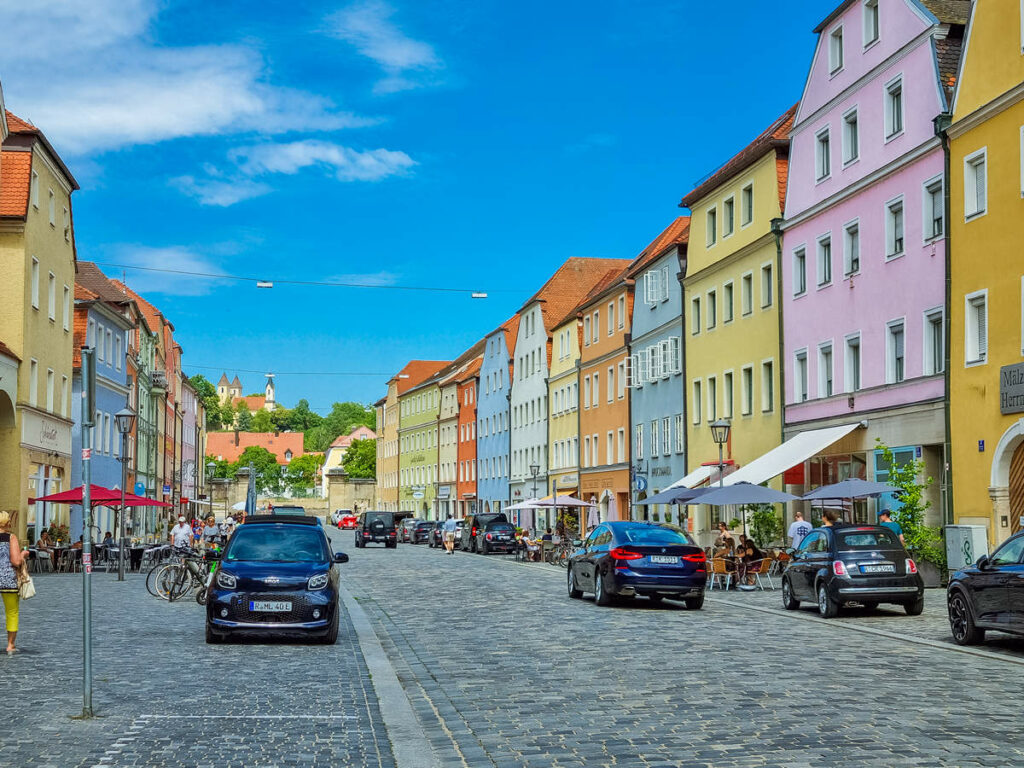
<point>276,576</point>
<point>376,527</point>
<point>862,564</point>
<point>496,536</point>
<point>988,594</point>
<point>474,525</point>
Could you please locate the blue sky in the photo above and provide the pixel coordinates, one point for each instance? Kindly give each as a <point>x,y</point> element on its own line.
<point>445,144</point>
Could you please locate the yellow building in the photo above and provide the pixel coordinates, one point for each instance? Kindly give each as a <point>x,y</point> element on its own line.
<point>387,449</point>
<point>563,407</point>
<point>731,310</point>
<point>37,261</point>
<point>986,358</point>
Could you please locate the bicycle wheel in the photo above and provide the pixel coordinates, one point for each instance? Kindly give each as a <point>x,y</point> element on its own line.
<point>166,578</point>
<point>183,584</point>
<point>151,579</point>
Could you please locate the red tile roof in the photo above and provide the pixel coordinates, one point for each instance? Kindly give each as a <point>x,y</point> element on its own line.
<point>418,371</point>
<point>361,432</point>
<point>511,328</point>
<point>229,445</point>
<point>252,402</point>
<point>15,180</point>
<point>5,350</point>
<point>90,277</point>
<point>153,315</point>
<point>775,137</point>
<point>676,233</point>
<point>16,125</point>
<point>570,283</point>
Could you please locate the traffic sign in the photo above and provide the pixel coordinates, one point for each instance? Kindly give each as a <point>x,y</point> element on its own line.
<point>140,489</point>
<point>167,490</point>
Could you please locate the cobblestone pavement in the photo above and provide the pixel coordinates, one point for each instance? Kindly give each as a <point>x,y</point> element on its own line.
<point>504,670</point>
<point>165,698</point>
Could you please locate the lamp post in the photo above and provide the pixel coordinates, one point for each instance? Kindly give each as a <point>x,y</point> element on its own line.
<point>720,434</point>
<point>535,470</point>
<point>211,469</point>
<point>125,420</point>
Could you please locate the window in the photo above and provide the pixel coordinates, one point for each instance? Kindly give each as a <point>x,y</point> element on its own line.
<point>727,308</point>
<point>871,25</point>
<point>53,209</point>
<point>825,385</point>
<point>766,286</point>
<point>586,392</point>
<point>976,328</point>
<point>712,310</point>
<point>975,184</point>
<point>655,437</point>
<point>586,451</point>
<point>852,363</point>
<point>824,261</point>
<point>835,50</point>
<point>800,376</point>
<point>747,393</point>
<point>622,308</point>
<point>673,354</point>
<point>894,228</point>
<point>34,190</point>
<point>49,389</point>
<point>33,383</point>
<point>695,402</point>
<point>655,290</point>
<point>680,433</point>
<point>586,331</point>
<point>747,293</point>
<point>51,296</point>
<point>728,217</point>
<point>747,205</point>
<point>67,225</point>
<point>894,108</point>
<point>767,386</point>
<point>695,315</point>
<point>712,398</point>
<point>596,326</point>
<point>596,390</point>
<point>851,137</point>
<point>824,155</point>
<point>611,383</point>
<point>712,221</point>
<point>64,396</point>
<point>622,380</point>
<point>727,395</point>
<point>655,362</point>
<point>67,308</point>
<point>851,248</point>
<point>934,209</point>
<point>609,457</point>
<point>934,342</point>
<point>117,352</point>
<point>799,272</point>
<point>611,318</point>
<point>896,352</point>
<point>35,283</point>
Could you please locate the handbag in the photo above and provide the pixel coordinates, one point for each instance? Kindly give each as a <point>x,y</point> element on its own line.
<point>26,587</point>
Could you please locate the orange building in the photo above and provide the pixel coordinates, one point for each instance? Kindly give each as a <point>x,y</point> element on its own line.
<point>228,446</point>
<point>465,487</point>
<point>604,326</point>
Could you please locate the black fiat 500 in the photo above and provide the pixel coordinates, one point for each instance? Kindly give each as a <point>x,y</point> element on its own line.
<point>862,564</point>
<point>276,576</point>
<point>988,594</point>
<point>623,559</point>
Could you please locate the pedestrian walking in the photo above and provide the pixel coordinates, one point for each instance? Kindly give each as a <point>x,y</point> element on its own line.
<point>798,529</point>
<point>12,558</point>
<point>181,534</point>
<point>885,519</point>
<point>449,534</point>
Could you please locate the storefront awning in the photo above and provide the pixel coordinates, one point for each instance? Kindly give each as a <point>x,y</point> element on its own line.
<point>794,451</point>
<point>695,478</point>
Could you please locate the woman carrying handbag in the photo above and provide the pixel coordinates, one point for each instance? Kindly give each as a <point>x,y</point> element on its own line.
<point>12,560</point>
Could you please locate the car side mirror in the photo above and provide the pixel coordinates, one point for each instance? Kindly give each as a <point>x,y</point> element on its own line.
<point>340,557</point>
<point>982,563</point>
<point>577,542</point>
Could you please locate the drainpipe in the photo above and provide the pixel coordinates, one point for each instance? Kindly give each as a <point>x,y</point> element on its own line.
<point>627,342</point>
<point>508,462</point>
<point>942,123</point>
<point>777,231</point>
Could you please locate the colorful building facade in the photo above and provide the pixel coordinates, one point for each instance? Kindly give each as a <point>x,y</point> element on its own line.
<point>563,407</point>
<point>492,429</point>
<point>468,386</point>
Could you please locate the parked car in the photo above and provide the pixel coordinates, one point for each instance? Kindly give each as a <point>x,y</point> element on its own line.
<point>405,528</point>
<point>422,530</point>
<point>625,559</point>
<point>376,527</point>
<point>862,564</point>
<point>988,594</point>
<point>472,525</point>
<point>437,535</point>
<point>344,518</point>
<point>496,536</point>
<point>276,575</point>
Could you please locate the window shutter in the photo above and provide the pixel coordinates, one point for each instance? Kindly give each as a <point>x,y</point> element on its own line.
<point>643,371</point>
<point>980,184</point>
<point>674,357</point>
<point>982,331</point>
<point>664,283</point>
<point>630,367</point>
<point>654,360</point>
<point>648,288</point>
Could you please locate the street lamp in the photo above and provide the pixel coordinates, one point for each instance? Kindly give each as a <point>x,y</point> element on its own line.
<point>535,470</point>
<point>720,434</point>
<point>124,420</point>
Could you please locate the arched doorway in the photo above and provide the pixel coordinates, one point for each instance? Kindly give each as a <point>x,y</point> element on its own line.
<point>1016,487</point>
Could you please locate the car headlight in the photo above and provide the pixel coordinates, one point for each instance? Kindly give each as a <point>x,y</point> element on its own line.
<point>319,581</point>
<point>226,580</point>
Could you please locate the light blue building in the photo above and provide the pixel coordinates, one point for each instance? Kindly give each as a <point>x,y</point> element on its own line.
<point>492,429</point>
<point>106,330</point>
<point>656,362</point>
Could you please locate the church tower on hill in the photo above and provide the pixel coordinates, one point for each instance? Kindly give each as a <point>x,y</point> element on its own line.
<point>269,403</point>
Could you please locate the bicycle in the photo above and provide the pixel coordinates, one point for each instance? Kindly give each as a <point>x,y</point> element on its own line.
<point>172,581</point>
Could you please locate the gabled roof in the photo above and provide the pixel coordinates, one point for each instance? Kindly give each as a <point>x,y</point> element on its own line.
<point>776,136</point>
<point>610,279</point>
<point>453,371</point>
<point>471,370</point>
<point>949,11</point>
<point>417,372</point>
<point>154,317</point>
<point>676,233</point>
<point>18,127</point>
<point>230,445</point>
<point>15,181</point>
<point>90,277</point>
<point>252,402</point>
<point>511,329</point>
<point>362,432</point>
<point>568,285</point>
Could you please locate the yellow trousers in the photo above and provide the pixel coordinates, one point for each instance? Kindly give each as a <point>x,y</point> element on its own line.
<point>11,610</point>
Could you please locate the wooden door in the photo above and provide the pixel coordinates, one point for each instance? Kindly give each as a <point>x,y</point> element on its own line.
<point>1016,488</point>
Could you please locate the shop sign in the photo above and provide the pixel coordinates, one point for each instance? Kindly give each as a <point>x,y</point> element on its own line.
<point>660,471</point>
<point>44,433</point>
<point>568,480</point>
<point>1011,388</point>
<point>444,491</point>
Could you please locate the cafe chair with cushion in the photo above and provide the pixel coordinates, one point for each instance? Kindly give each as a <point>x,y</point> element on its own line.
<point>720,573</point>
<point>762,569</point>
<point>780,562</point>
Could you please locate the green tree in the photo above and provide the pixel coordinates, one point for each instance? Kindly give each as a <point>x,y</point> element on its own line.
<point>261,421</point>
<point>280,418</point>
<point>923,541</point>
<point>244,419</point>
<point>302,418</point>
<point>360,460</point>
<point>302,470</point>
<point>223,468</point>
<point>765,524</point>
<point>268,471</point>
<point>227,415</point>
<point>207,394</point>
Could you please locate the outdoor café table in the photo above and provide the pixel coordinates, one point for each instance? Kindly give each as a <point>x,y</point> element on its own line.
<point>135,557</point>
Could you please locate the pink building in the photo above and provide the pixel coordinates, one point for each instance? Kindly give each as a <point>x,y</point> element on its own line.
<point>863,250</point>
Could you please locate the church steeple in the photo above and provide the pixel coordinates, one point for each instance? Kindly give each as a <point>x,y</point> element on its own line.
<point>270,405</point>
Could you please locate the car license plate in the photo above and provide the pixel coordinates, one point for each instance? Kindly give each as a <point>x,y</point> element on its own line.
<point>878,569</point>
<point>269,606</point>
<point>664,559</point>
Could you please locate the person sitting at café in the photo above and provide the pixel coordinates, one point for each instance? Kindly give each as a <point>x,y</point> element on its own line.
<point>108,540</point>
<point>724,537</point>
<point>750,558</point>
<point>547,536</point>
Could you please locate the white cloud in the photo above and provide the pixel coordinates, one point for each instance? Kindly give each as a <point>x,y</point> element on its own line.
<point>94,80</point>
<point>178,258</point>
<point>344,163</point>
<point>219,192</point>
<point>407,63</point>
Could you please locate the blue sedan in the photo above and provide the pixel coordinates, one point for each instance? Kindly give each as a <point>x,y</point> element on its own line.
<point>624,559</point>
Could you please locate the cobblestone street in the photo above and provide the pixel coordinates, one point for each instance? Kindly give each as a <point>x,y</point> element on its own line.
<point>502,669</point>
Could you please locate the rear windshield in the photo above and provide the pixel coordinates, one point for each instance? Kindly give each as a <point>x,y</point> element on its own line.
<point>385,517</point>
<point>654,534</point>
<point>277,544</point>
<point>882,539</point>
<point>499,527</point>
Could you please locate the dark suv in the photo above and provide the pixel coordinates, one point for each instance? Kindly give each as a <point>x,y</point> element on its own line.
<point>476,524</point>
<point>421,531</point>
<point>862,564</point>
<point>988,594</point>
<point>376,527</point>
<point>496,536</point>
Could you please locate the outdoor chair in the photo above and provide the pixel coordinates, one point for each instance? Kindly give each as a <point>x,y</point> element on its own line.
<point>153,555</point>
<point>762,568</point>
<point>548,551</point>
<point>779,563</point>
<point>720,573</point>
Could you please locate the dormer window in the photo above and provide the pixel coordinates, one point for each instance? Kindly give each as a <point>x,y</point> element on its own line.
<point>288,456</point>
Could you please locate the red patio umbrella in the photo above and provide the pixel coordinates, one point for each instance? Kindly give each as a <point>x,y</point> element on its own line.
<point>108,497</point>
<point>131,500</point>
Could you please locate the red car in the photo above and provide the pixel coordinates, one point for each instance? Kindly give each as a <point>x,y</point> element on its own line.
<point>347,522</point>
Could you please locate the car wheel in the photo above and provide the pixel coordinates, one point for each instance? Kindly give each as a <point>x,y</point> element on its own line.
<point>655,598</point>
<point>601,596</point>
<point>961,622</point>
<point>472,546</point>
<point>484,549</point>
<point>391,544</point>
<point>914,608</point>
<point>213,638</point>
<point>827,607</point>
<point>332,634</point>
<point>694,603</point>
<point>574,592</point>
<point>789,602</point>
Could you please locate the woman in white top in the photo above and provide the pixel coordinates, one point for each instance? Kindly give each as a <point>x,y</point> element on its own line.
<point>12,557</point>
